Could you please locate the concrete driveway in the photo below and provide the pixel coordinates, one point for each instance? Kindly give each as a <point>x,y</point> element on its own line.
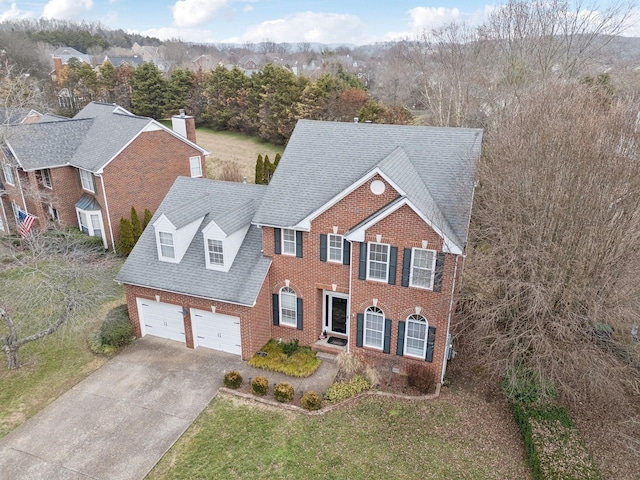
<point>119,421</point>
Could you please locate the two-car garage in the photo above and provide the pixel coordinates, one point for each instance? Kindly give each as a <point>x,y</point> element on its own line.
<point>210,329</point>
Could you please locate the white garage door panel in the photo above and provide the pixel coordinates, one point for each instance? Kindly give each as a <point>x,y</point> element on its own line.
<point>161,319</point>
<point>217,331</point>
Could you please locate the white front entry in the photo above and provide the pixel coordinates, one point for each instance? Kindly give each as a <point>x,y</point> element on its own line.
<point>161,319</point>
<point>216,331</point>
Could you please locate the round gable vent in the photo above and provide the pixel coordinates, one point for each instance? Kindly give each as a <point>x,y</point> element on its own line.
<point>377,187</point>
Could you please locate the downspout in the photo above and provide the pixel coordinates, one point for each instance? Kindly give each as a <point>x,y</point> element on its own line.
<point>453,289</point>
<point>106,206</point>
<point>350,292</point>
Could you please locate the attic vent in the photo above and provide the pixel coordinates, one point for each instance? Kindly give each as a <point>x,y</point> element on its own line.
<point>377,187</point>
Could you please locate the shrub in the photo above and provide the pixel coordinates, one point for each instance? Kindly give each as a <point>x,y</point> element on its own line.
<point>260,385</point>
<point>283,392</point>
<point>342,390</point>
<point>127,241</point>
<point>115,332</point>
<point>272,357</point>
<point>348,363</point>
<point>421,377</point>
<point>291,347</point>
<point>232,379</point>
<point>523,385</point>
<point>311,401</point>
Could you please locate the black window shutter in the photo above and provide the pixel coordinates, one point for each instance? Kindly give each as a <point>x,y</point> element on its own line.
<point>323,247</point>
<point>299,244</point>
<point>359,329</point>
<point>346,252</point>
<point>400,344</point>
<point>431,339</point>
<point>406,267</point>
<point>276,309</point>
<point>393,264</point>
<point>277,243</point>
<point>437,277</point>
<point>299,318</point>
<point>386,347</point>
<point>362,272</point>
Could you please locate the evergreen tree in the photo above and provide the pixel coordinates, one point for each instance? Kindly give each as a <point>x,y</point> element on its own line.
<point>178,91</point>
<point>126,243</point>
<point>276,160</point>
<point>136,226</point>
<point>148,91</point>
<point>259,170</point>
<point>147,218</point>
<point>268,170</point>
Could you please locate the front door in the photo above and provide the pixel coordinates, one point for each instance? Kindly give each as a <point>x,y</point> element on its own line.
<point>336,312</point>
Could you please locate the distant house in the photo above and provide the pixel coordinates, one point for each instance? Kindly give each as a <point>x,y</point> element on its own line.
<point>359,236</point>
<point>90,170</point>
<point>132,62</point>
<point>15,116</point>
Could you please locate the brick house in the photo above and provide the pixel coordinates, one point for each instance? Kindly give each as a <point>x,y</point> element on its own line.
<point>360,236</point>
<point>88,171</point>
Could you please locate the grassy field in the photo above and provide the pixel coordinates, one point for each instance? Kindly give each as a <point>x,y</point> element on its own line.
<point>450,437</point>
<point>51,366</point>
<point>234,147</point>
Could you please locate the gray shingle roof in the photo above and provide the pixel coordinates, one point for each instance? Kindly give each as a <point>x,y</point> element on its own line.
<point>88,141</point>
<point>241,284</point>
<point>322,159</point>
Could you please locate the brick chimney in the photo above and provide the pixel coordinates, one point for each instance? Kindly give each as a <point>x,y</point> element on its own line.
<point>185,125</point>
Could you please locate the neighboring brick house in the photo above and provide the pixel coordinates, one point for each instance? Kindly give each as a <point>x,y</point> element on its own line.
<point>360,235</point>
<point>88,171</point>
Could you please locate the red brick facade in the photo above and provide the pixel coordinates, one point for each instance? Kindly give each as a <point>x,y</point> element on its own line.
<point>140,176</point>
<point>310,277</point>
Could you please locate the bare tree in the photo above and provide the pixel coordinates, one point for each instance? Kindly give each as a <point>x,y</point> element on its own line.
<point>554,254</point>
<point>47,281</point>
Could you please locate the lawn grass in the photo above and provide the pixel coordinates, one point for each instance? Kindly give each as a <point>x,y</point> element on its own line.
<point>302,363</point>
<point>374,438</point>
<point>234,147</point>
<point>51,366</point>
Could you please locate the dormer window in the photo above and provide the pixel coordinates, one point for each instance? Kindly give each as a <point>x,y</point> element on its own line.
<point>86,178</point>
<point>167,249</point>
<point>216,254</point>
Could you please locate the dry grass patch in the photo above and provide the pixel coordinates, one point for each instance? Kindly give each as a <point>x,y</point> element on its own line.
<point>233,152</point>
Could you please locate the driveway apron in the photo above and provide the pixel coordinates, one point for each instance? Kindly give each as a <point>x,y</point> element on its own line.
<point>119,421</point>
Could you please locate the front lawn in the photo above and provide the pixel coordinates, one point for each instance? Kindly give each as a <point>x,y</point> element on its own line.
<point>50,366</point>
<point>456,436</point>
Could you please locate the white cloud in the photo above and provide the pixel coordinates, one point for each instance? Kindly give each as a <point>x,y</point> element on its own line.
<point>307,27</point>
<point>14,14</point>
<point>191,13</point>
<point>428,18</point>
<point>67,9</point>
<point>247,8</point>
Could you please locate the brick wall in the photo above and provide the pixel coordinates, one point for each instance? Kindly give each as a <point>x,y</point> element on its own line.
<point>308,276</point>
<point>143,173</point>
<point>254,321</point>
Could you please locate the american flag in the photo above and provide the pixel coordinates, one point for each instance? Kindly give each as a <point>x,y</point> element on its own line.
<point>26,222</point>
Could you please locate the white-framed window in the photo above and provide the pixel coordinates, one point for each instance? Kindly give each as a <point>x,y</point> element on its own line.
<point>89,221</point>
<point>45,177</point>
<point>288,307</point>
<point>86,178</point>
<point>288,241</point>
<point>196,166</point>
<point>8,174</point>
<point>215,251</point>
<point>167,249</point>
<point>415,336</point>
<point>423,267</point>
<point>374,327</point>
<point>378,262</point>
<point>334,243</point>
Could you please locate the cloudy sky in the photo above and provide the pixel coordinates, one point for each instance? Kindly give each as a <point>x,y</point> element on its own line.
<point>324,21</point>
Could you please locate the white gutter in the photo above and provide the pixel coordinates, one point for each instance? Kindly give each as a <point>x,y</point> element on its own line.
<point>453,289</point>
<point>106,206</point>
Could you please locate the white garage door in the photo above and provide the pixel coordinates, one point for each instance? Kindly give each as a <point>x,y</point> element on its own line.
<point>161,319</point>
<point>217,331</point>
